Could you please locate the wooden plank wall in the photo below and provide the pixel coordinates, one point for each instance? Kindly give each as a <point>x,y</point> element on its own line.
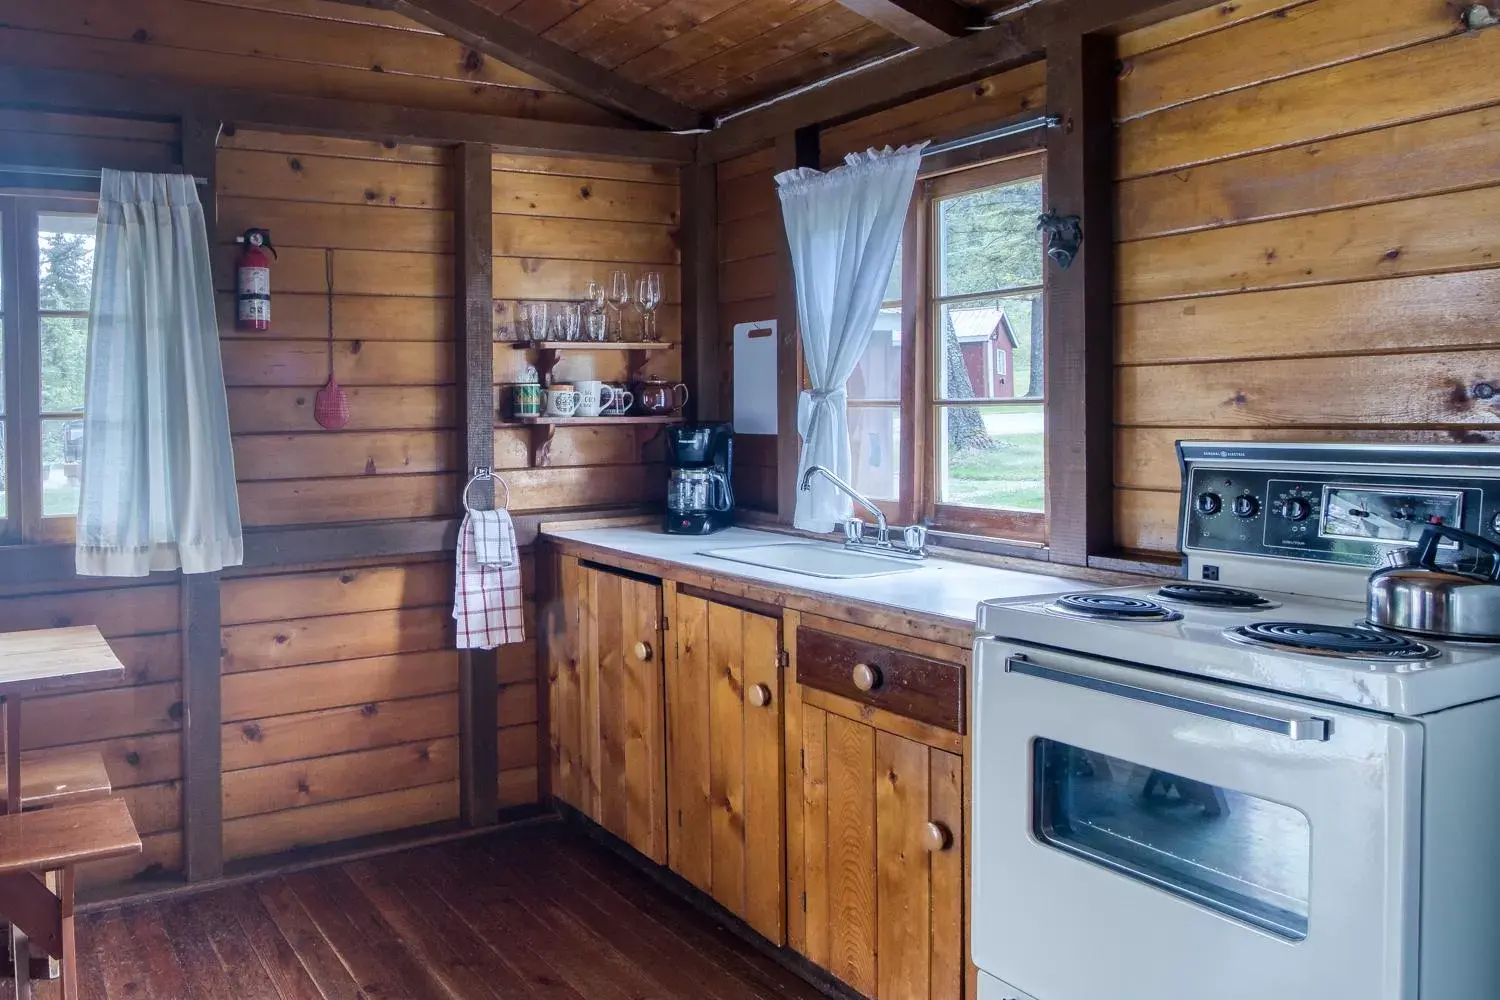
<point>558,224</point>
<point>1309,209</point>
<point>291,46</point>
<point>384,212</point>
<point>751,239</point>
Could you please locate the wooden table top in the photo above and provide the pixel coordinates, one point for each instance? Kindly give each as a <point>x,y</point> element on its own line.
<point>54,658</point>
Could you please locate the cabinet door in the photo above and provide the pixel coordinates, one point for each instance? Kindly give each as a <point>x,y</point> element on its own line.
<point>608,728</point>
<point>724,767</point>
<point>881,859</point>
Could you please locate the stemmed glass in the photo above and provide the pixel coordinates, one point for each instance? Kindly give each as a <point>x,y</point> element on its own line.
<point>647,299</point>
<point>596,320</point>
<point>619,298</point>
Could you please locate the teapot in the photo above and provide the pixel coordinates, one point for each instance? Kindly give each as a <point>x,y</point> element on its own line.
<point>656,396</point>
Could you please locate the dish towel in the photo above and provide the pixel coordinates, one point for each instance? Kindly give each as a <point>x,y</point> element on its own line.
<point>487,595</point>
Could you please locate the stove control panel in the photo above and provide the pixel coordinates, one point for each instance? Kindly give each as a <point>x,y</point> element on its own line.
<point>1348,519</point>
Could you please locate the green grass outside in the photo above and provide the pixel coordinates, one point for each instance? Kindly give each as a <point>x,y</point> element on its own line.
<point>1008,475</point>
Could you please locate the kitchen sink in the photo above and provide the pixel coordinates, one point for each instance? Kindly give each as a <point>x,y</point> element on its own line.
<point>814,559</point>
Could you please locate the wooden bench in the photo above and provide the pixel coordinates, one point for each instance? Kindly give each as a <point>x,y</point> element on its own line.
<point>54,779</point>
<point>56,839</point>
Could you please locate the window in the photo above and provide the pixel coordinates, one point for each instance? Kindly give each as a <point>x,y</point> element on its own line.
<point>46,278</point>
<point>948,404</point>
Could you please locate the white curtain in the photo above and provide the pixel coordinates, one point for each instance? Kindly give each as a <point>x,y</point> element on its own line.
<point>158,474</point>
<point>843,227</point>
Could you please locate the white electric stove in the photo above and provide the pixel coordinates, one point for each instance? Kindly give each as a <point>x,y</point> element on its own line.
<point>1230,786</point>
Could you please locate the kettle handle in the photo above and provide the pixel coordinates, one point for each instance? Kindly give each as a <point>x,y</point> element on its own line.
<point>1432,536</point>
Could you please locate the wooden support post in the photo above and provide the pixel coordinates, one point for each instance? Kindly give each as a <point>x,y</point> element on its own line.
<point>473,294</point>
<point>202,782</point>
<point>702,366</point>
<point>1079,300</point>
<point>795,149</point>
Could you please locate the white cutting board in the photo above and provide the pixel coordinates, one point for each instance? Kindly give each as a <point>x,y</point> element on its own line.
<point>755,377</point>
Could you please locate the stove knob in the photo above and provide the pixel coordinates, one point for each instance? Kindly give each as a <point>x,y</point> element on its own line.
<point>1296,509</point>
<point>1208,504</point>
<point>1495,524</point>
<point>1246,507</point>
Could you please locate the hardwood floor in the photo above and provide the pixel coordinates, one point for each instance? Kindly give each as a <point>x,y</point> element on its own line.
<point>534,912</point>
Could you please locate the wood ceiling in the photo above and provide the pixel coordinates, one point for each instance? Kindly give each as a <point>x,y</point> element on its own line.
<point>721,55</point>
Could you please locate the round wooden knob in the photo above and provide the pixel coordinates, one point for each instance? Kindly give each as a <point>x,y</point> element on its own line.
<point>643,652</point>
<point>760,696</point>
<point>866,677</point>
<point>936,837</point>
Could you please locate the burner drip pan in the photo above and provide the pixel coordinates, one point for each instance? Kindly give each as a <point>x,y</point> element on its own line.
<point>1346,641</point>
<point>1210,595</point>
<point>1114,607</point>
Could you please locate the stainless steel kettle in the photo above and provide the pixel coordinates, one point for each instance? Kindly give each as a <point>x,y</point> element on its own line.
<point>1440,602</point>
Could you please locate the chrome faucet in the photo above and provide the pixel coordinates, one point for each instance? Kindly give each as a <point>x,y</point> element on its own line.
<point>914,538</point>
<point>882,530</point>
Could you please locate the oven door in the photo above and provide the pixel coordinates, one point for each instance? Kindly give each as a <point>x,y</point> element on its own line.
<point>1144,836</point>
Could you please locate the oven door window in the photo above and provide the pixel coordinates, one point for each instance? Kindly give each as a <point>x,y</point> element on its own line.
<point>1238,854</point>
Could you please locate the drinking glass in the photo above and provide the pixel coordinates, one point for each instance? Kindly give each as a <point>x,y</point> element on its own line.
<point>619,298</point>
<point>647,299</point>
<point>565,323</point>
<point>596,319</point>
<point>536,320</point>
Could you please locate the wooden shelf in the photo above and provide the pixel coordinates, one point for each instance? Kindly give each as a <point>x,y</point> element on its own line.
<point>583,421</point>
<point>588,345</point>
<point>549,352</point>
<point>543,429</point>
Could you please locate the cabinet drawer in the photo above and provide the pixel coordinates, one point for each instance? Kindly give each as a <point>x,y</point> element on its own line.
<point>926,690</point>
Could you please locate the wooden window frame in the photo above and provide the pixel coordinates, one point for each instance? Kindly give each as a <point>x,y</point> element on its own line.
<point>918,403</point>
<point>23,415</point>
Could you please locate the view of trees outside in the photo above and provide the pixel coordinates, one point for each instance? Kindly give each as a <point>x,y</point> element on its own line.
<point>65,273</point>
<point>991,456</point>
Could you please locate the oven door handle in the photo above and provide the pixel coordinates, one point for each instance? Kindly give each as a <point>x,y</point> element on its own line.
<point>1296,727</point>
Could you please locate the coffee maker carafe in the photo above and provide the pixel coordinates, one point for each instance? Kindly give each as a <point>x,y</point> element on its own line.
<point>700,498</point>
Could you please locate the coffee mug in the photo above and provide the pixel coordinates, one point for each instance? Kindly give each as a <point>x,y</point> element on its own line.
<point>526,399</point>
<point>594,397</point>
<point>561,401</point>
<point>620,401</point>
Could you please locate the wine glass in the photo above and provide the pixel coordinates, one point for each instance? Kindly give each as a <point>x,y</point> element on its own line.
<point>619,298</point>
<point>647,299</point>
<point>596,320</point>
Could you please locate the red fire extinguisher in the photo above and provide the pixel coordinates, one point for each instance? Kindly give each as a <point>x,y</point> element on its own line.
<point>252,281</point>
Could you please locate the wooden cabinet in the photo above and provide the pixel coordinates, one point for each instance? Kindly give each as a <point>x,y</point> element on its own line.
<point>724,762</point>
<point>875,819</point>
<point>606,713</point>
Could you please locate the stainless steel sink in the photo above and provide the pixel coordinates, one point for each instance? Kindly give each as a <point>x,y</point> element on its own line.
<point>814,559</point>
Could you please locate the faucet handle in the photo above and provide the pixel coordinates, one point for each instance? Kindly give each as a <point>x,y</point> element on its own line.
<point>915,537</point>
<point>854,531</point>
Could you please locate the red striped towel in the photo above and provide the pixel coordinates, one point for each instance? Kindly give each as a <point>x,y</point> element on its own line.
<point>487,604</point>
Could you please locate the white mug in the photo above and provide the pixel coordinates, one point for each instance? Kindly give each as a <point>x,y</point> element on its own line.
<point>594,397</point>
<point>619,403</point>
<point>561,402</point>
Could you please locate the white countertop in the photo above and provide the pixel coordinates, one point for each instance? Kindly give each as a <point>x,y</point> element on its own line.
<point>940,588</point>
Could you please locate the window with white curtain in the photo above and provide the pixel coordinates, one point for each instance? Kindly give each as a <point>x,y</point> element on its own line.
<point>46,276</point>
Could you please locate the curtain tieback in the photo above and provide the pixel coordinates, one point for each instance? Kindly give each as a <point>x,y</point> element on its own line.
<point>811,401</point>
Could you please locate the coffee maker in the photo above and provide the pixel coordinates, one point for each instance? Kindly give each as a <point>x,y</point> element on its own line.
<point>700,499</point>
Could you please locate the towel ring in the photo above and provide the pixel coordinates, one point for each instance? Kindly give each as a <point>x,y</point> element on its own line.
<point>480,475</point>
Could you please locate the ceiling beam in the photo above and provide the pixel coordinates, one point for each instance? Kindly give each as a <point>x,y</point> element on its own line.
<point>100,92</point>
<point>483,30</point>
<point>1012,41</point>
<point>922,22</point>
